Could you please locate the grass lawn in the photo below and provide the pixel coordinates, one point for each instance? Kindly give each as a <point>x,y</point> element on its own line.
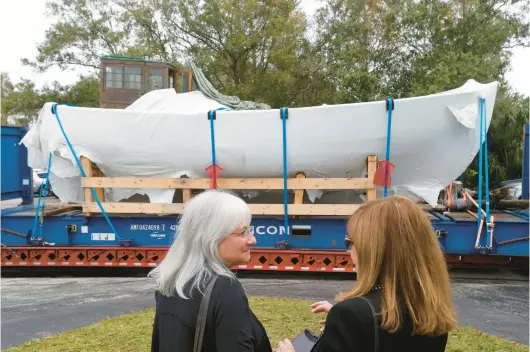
<point>283,318</point>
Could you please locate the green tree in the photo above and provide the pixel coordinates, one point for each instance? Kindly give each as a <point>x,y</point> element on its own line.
<point>465,39</point>
<point>83,93</point>
<point>5,90</point>
<point>256,50</point>
<point>21,102</point>
<point>408,48</point>
<point>86,30</point>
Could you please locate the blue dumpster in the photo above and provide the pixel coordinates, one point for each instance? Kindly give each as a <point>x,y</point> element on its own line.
<point>17,178</point>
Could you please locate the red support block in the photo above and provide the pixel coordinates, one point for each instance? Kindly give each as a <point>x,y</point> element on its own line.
<point>383,175</point>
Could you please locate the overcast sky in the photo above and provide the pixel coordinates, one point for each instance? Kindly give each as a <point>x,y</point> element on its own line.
<point>23,24</point>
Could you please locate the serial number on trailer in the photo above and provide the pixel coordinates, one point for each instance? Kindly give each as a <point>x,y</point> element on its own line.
<point>255,230</point>
<point>152,227</point>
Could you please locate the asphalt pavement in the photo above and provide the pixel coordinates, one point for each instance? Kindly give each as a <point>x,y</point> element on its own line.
<point>37,307</point>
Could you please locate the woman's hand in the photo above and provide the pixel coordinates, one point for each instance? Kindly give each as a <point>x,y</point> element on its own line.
<point>285,346</point>
<point>321,307</point>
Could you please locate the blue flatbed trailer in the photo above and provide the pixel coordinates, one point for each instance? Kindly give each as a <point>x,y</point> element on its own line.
<point>63,236</point>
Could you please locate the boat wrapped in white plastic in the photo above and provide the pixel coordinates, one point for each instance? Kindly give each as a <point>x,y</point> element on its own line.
<point>433,140</point>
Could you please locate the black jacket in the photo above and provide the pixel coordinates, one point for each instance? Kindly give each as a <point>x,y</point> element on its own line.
<point>350,327</point>
<point>231,325</point>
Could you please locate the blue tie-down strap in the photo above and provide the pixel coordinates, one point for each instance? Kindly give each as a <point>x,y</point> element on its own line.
<point>214,170</point>
<point>40,207</point>
<point>94,194</point>
<point>390,108</point>
<point>483,171</point>
<point>384,170</point>
<point>212,116</point>
<point>486,174</point>
<point>285,115</point>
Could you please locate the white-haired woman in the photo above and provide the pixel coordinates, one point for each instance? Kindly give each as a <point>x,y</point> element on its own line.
<point>213,236</point>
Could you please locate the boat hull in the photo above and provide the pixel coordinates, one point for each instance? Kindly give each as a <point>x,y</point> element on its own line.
<point>433,140</point>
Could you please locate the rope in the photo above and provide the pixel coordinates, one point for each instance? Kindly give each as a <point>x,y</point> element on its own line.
<point>390,108</point>
<point>54,111</point>
<point>284,116</point>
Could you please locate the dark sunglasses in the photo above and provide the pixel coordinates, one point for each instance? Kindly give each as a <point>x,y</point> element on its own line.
<point>347,242</point>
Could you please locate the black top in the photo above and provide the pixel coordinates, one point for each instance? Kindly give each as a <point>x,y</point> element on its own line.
<point>350,327</point>
<point>230,326</point>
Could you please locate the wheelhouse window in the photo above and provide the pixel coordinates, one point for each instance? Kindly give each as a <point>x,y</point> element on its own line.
<point>156,79</point>
<point>114,77</point>
<point>128,77</point>
<point>133,77</point>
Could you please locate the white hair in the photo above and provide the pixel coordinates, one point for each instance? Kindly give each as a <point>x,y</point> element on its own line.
<point>208,219</point>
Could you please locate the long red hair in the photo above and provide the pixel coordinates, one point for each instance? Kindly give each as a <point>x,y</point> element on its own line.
<point>396,247</point>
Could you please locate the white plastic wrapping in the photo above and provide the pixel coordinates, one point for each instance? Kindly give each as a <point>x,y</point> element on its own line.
<point>434,138</point>
<point>167,100</point>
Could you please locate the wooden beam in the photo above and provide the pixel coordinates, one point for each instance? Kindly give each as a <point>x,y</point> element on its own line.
<point>371,193</point>
<point>89,172</point>
<point>186,193</point>
<point>229,183</point>
<point>100,192</point>
<point>299,193</point>
<point>135,208</point>
<point>256,209</point>
<point>60,210</point>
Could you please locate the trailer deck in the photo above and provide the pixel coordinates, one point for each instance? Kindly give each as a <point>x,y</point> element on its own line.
<point>315,244</point>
